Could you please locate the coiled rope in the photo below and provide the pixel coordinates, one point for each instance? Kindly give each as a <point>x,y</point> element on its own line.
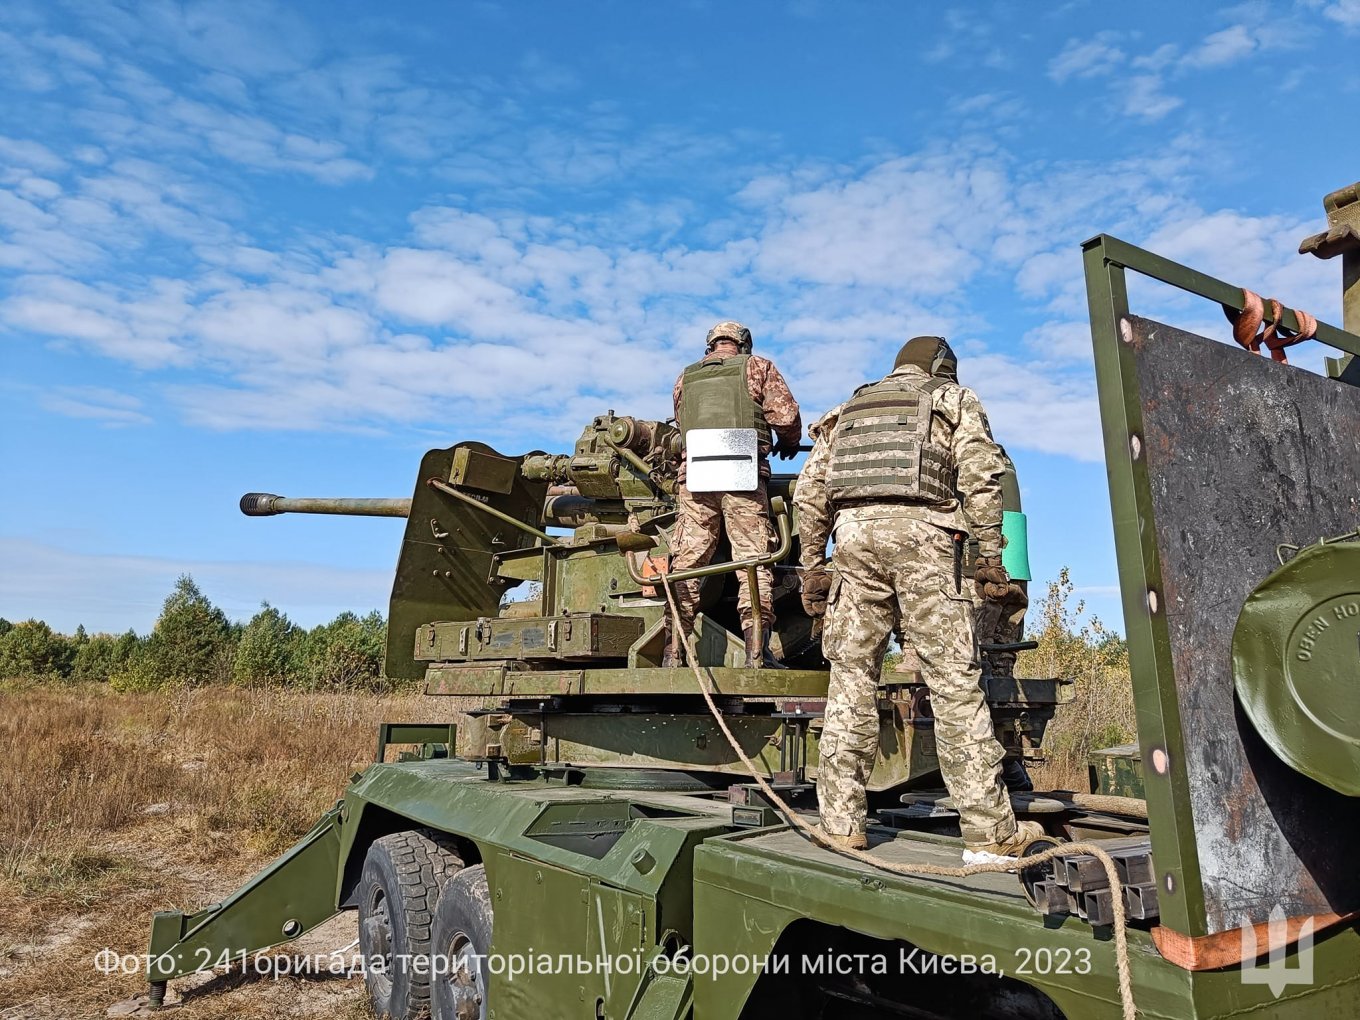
<point>816,835</point>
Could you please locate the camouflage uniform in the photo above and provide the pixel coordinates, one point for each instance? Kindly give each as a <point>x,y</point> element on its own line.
<point>702,516</point>
<point>895,564</point>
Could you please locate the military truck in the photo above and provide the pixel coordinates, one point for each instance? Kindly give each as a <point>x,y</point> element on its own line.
<point>570,832</point>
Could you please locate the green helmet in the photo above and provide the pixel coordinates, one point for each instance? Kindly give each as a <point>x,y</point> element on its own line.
<point>932,354</point>
<point>729,330</point>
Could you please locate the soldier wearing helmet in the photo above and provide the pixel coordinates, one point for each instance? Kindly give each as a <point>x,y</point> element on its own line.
<point>731,388</point>
<point>903,472</point>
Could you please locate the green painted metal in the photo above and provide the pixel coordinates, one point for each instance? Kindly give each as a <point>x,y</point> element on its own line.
<point>1296,662</point>
<point>446,566</point>
<point>774,881</point>
<point>288,899</point>
<point>1154,693</point>
<point>587,636</point>
<point>449,678</point>
<point>266,504</point>
<point>1117,771</point>
<point>414,733</point>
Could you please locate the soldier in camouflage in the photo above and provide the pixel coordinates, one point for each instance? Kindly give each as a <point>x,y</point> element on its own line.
<point>731,387</point>
<point>903,472</point>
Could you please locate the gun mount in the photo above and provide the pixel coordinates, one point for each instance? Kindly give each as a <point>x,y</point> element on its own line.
<point>549,678</point>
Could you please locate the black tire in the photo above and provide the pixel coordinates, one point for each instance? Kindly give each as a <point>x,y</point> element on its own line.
<point>403,876</point>
<point>462,930</point>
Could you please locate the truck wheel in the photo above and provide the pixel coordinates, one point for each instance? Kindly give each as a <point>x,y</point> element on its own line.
<point>461,942</point>
<point>401,881</point>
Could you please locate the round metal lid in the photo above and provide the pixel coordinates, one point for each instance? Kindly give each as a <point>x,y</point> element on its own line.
<point>1296,663</point>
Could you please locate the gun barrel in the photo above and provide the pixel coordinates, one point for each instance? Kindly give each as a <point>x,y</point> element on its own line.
<point>266,504</point>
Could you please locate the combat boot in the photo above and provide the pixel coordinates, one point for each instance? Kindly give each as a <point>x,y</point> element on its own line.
<point>1005,851</point>
<point>758,654</point>
<point>673,651</point>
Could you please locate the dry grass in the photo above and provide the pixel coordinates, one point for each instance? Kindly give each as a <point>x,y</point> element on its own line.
<point>115,805</point>
<point>1101,713</point>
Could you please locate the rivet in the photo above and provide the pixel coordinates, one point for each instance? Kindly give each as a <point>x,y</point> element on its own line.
<point>1126,330</point>
<point>1170,882</point>
<point>1152,600</point>
<point>1160,762</point>
<point>1136,445</point>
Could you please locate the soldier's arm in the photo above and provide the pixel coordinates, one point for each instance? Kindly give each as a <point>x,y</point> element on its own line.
<point>810,497</point>
<point>980,467</point>
<point>676,392</point>
<point>772,393</point>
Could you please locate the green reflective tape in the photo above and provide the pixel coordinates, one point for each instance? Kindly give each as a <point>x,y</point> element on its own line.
<point>1015,556</point>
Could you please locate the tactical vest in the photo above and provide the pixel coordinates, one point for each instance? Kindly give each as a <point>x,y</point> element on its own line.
<point>715,396</point>
<point>882,448</point>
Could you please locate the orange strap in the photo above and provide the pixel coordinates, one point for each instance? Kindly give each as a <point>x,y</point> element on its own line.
<point>1247,329</point>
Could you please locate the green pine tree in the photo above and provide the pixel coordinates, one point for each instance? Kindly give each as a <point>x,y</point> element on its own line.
<point>268,649</point>
<point>192,641</point>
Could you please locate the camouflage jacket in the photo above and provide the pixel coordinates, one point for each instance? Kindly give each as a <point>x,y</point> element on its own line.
<point>960,423</point>
<point>768,389</point>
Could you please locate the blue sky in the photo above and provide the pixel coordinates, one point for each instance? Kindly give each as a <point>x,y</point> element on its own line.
<point>289,247</point>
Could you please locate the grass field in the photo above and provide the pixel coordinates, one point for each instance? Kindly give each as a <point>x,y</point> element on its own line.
<point>115,805</point>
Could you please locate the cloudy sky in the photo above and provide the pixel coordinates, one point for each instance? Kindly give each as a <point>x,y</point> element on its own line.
<point>289,247</point>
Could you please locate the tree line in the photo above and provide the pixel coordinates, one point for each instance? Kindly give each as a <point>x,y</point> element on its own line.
<point>194,643</point>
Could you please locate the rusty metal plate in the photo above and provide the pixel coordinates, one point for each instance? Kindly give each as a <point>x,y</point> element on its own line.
<point>1242,455</point>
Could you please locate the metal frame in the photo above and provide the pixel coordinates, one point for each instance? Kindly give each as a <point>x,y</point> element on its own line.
<point>1107,259</point>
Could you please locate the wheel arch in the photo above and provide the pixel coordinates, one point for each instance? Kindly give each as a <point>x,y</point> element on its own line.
<point>371,823</point>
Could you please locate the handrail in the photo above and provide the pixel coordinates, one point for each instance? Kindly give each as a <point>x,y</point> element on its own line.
<point>1128,256</point>
<point>782,524</point>
<point>785,529</point>
<point>500,515</point>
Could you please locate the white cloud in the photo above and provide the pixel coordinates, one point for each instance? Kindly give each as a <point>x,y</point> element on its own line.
<point>1345,13</point>
<point>106,406</point>
<point>1145,99</point>
<point>1225,47</point>
<point>1087,58</point>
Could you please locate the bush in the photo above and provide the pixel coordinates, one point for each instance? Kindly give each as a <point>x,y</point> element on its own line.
<point>103,656</point>
<point>34,651</point>
<point>1101,713</point>
<point>345,653</point>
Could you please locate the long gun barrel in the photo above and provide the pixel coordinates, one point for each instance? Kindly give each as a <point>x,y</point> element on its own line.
<point>266,504</point>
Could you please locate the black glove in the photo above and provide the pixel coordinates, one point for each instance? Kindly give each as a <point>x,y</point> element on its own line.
<point>991,577</point>
<point>816,585</point>
<point>785,451</point>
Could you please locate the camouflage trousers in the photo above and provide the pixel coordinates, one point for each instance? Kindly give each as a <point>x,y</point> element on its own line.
<point>1002,623</point>
<point>703,516</point>
<point>900,571</point>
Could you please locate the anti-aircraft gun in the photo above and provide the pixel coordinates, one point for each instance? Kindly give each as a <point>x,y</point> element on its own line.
<point>570,677</point>
<point>571,801</point>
